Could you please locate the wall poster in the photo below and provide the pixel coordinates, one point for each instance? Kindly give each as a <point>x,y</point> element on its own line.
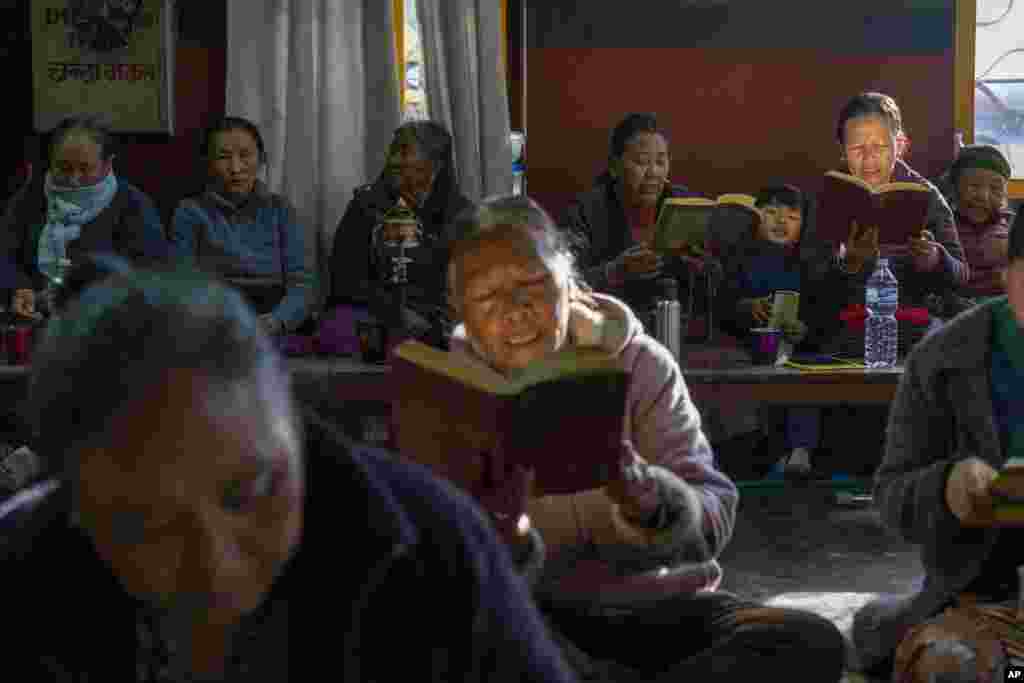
<point>110,57</point>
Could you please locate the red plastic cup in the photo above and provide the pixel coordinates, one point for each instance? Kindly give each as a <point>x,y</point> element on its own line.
<point>19,344</point>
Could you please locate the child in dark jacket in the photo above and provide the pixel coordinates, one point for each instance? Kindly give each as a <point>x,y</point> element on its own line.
<point>766,263</point>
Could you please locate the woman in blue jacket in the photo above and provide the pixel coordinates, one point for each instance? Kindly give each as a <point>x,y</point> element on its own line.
<point>239,231</point>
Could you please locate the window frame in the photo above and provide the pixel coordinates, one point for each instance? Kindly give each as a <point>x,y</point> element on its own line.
<point>398,16</point>
<point>965,35</point>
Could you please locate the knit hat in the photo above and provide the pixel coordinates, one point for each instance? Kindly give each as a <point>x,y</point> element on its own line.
<point>980,156</point>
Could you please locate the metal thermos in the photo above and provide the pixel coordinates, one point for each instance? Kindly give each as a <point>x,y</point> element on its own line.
<point>666,316</point>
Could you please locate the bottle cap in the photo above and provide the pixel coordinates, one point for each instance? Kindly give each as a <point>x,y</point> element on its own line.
<point>669,288</point>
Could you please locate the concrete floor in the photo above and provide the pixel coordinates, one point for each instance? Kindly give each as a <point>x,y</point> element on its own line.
<point>795,546</point>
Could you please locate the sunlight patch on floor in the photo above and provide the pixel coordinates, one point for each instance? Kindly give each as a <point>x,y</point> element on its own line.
<point>838,608</point>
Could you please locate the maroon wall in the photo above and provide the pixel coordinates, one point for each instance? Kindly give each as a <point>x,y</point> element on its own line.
<point>753,98</point>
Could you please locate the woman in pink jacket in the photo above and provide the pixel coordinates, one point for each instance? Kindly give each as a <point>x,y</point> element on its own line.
<point>631,569</point>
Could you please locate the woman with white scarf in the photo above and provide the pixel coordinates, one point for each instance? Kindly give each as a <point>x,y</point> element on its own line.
<point>78,207</point>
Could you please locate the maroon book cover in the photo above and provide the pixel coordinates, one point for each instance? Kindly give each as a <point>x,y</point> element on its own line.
<point>567,425</point>
<point>898,210</point>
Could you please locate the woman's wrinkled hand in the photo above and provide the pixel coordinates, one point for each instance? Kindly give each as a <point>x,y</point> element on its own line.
<point>637,263</point>
<point>925,251</point>
<point>634,490</point>
<point>505,494</point>
<point>861,246</point>
<point>969,492</point>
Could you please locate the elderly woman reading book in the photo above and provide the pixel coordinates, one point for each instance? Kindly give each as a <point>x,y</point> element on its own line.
<point>954,424</point>
<point>636,560</point>
<point>872,143</point>
<point>616,219</point>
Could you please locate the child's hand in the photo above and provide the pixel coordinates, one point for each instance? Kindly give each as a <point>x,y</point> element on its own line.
<point>794,331</point>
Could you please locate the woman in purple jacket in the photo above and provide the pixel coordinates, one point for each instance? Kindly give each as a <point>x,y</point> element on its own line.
<point>198,529</point>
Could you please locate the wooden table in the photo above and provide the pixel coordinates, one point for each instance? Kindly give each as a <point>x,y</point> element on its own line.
<point>788,386</point>
<point>346,379</point>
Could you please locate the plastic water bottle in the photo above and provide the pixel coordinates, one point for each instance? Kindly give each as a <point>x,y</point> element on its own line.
<point>881,331</point>
<point>518,179</point>
<point>666,316</point>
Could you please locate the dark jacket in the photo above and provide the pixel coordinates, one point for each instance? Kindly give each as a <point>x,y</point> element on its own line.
<point>355,275</point>
<point>257,246</point>
<point>755,269</point>
<point>130,227</point>
<point>597,220</point>
<point>397,577</point>
<point>942,414</point>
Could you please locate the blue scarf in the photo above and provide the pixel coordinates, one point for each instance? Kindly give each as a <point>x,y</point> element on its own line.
<point>67,210</point>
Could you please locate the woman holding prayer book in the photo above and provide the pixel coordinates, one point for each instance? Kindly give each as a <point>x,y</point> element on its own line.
<point>616,218</point>
<point>636,560</point>
<point>241,232</point>
<point>80,206</point>
<point>955,424</point>
<point>872,143</point>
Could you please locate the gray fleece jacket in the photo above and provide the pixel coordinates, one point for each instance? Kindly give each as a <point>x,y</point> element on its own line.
<point>593,554</point>
<point>942,414</point>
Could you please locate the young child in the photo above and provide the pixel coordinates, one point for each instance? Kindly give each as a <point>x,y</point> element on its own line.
<point>979,177</point>
<point>767,263</point>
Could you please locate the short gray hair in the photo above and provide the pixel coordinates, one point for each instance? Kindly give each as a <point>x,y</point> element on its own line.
<point>496,215</point>
<point>118,341</point>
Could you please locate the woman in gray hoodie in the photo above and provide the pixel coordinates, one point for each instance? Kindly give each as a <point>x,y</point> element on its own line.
<point>636,561</point>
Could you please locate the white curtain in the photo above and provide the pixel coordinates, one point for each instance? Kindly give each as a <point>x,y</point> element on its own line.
<point>319,78</point>
<point>466,91</point>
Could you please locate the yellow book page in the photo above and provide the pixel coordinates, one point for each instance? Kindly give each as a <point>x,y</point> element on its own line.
<point>687,201</point>
<point>738,199</point>
<point>902,185</point>
<point>571,361</point>
<point>849,178</point>
<point>457,366</point>
<point>824,367</point>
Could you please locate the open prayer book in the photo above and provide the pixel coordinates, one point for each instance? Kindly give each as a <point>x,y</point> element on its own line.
<point>688,222</point>
<point>563,416</point>
<point>821,363</point>
<point>899,210</point>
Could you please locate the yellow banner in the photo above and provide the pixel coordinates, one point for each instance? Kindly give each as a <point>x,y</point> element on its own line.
<point>110,57</point>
